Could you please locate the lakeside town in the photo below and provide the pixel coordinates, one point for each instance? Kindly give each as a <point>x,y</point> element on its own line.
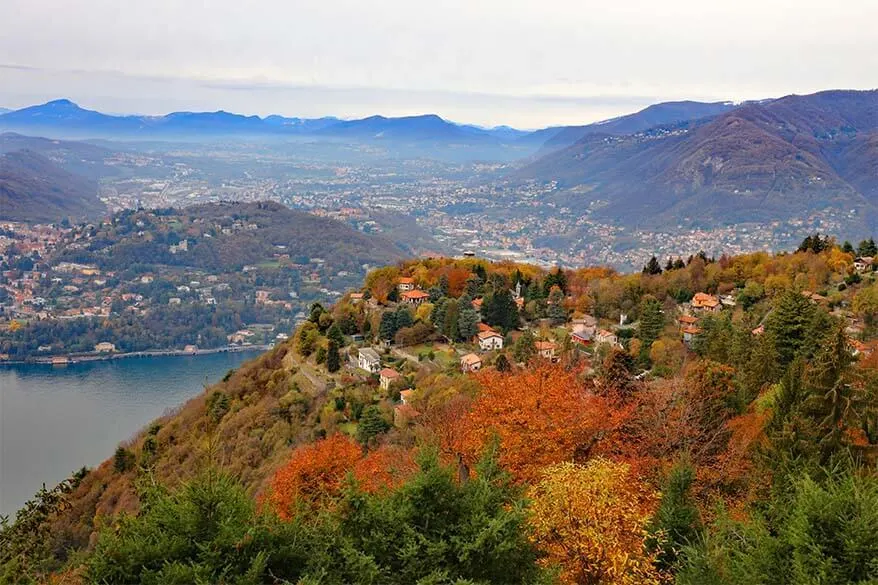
<point>53,308</point>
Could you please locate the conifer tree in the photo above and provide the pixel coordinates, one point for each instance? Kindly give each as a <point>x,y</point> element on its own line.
<point>333,360</point>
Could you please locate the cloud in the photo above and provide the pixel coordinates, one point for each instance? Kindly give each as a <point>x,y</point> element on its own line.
<point>492,61</point>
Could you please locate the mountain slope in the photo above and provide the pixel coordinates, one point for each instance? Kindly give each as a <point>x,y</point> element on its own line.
<point>33,188</point>
<point>762,161</point>
<point>665,113</point>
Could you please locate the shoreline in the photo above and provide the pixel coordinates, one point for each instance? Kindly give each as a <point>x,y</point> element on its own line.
<point>77,358</point>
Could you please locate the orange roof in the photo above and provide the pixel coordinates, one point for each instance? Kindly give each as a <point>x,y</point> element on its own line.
<point>356,295</point>
<point>406,394</point>
<point>388,373</point>
<point>477,303</point>
<point>489,334</point>
<point>759,330</point>
<point>704,300</point>
<point>691,330</point>
<point>415,294</point>
<point>484,327</point>
<point>470,359</point>
<point>689,319</point>
<point>544,345</point>
<point>406,280</point>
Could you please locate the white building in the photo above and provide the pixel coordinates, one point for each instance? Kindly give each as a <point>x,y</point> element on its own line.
<point>369,360</point>
<point>489,340</point>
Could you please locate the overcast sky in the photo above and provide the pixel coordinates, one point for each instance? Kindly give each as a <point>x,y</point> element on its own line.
<point>524,63</point>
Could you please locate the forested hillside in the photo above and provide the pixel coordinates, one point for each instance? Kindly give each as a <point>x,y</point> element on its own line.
<point>228,236</point>
<point>708,420</point>
<point>760,162</point>
<point>33,188</point>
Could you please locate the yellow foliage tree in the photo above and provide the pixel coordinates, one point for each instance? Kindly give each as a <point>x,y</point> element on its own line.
<point>381,282</point>
<point>591,521</point>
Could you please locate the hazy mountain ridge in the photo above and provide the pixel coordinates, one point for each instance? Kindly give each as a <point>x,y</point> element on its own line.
<point>666,113</point>
<point>760,161</point>
<point>64,118</point>
<point>34,188</point>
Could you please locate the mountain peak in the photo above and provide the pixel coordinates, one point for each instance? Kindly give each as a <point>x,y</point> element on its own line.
<point>61,103</point>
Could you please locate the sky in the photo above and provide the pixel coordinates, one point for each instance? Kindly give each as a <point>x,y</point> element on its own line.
<point>527,64</point>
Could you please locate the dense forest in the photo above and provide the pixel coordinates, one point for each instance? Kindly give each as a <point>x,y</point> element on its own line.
<point>744,454</point>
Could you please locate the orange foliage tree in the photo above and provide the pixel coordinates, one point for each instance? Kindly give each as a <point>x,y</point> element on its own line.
<point>591,520</point>
<point>541,416</point>
<point>386,467</point>
<point>314,475</point>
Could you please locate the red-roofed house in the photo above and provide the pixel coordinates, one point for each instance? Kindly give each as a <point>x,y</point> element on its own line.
<point>689,333</point>
<point>406,283</point>
<point>470,363</point>
<point>489,340</point>
<point>414,297</point>
<point>387,377</point>
<point>705,302</point>
<point>546,349</point>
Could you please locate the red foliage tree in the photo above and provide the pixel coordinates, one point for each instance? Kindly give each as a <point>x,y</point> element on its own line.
<point>314,475</point>
<point>542,415</point>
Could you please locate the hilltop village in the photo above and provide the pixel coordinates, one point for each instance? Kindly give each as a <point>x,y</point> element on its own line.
<point>420,319</point>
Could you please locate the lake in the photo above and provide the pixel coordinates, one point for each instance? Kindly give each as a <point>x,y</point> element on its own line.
<point>54,420</point>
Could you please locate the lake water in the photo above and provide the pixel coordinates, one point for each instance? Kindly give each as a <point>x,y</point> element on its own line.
<point>54,420</point>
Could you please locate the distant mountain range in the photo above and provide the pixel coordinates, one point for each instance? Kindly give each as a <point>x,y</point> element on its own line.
<point>33,188</point>
<point>64,119</point>
<point>760,161</point>
<point>671,164</point>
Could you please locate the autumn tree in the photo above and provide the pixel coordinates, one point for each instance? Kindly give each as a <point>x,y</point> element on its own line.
<point>386,467</point>
<point>592,520</point>
<point>381,282</point>
<point>307,338</point>
<point>313,477</point>
<point>541,415</point>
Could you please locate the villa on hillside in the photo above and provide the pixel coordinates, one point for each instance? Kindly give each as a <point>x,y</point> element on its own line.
<point>705,302</point>
<point>387,377</point>
<point>105,347</point>
<point>546,349</point>
<point>405,283</point>
<point>470,363</point>
<point>414,297</point>
<point>489,340</point>
<point>863,263</point>
<point>605,336</point>
<point>369,360</point>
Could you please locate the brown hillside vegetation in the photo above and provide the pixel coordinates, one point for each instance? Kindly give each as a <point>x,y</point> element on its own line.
<point>738,397</point>
<point>762,161</point>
